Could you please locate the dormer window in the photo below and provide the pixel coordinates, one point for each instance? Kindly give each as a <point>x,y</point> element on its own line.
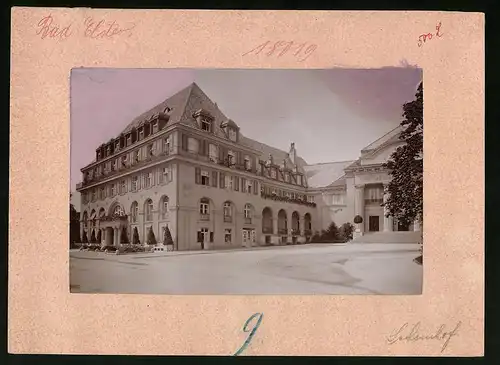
<point>206,124</point>
<point>98,155</point>
<point>231,158</point>
<point>141,134</point>
<point>287,177</point>
<point>299,179</point>
<point>155,127</point>
<point>233,136</point>
<point>247,163</point>
<point>273,173</point>
<point>129,140</point>
<point>124,160</point>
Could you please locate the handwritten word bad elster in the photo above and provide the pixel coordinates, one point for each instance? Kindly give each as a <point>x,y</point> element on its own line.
<point>252,331</point>
<point>48,27</point>
<point>429,36</point>
<point>300,50</point>
<point>413,334</point>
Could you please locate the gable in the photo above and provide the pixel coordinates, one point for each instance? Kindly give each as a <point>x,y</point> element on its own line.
<point>381,154</point>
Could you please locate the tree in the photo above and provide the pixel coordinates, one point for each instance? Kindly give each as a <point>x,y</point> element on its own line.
<point>135,237</point>
<point>74,224</point>
<point>167,237</point>
<point>124,237</point>
<point>151,237</point>
<point>405,190</point>
<point>332,233</point>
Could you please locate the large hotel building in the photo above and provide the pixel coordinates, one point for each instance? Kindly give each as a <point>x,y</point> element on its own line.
<point>185,165</point>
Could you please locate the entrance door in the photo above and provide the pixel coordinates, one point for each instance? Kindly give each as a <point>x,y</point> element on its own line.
<point>373,223</point>
<point>203,237</point>
<point>246,237</point>
<point>252,236</point>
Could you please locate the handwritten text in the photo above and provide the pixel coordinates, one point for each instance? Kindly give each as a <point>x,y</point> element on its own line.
<point>412,334</point>
<point>301,51</point>
<point>252,331</point>
<point>428,36</point>
<point>48,27</point>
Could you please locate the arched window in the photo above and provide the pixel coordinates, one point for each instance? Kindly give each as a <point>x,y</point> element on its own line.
<point>282,222</point>
<point>118,211</point>
<point>248,211</point>
<point>295,223</point>
<point>205,209</point>
<point>134,212</point>
<point>307,224</point>
<point>102,212</point>
<point>228,212</point>
<point>148,210</point>
<point>164,207</point>
<point>267,220</point>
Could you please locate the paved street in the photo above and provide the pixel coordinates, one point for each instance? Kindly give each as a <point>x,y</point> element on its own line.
<point>304,269</point>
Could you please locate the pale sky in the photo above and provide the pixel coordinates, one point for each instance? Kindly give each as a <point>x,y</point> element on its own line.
<point>329,114</point>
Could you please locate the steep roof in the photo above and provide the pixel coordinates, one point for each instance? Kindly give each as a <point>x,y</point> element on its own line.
<point>325,174</point>
<point>191,99</point>
<point>176,103</point>
<point>389,137</point>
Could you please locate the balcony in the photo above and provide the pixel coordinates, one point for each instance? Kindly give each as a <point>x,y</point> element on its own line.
<point>204,217</point>
<point>287,199</point>
<point>228,219</point>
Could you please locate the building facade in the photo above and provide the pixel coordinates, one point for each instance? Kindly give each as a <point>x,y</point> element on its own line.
<point>184,165</point>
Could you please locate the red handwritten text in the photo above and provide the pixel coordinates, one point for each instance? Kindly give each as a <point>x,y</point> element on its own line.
<point>429,36</point>
<point>300,50</point>
<point>48,28</point>
<point>102,29</point>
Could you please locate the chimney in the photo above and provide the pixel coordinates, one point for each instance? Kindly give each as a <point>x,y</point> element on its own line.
<point>292,153</point>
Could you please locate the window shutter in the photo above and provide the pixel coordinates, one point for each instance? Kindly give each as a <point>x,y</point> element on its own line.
<point>243,182</point>
<point>236,183</point>
<point>222,180</point>
<point>214,179</point>
<point>197,172</point>
<point>255,186</point>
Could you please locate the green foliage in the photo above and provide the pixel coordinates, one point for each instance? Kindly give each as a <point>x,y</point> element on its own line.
<point>151,237</point>
<point>135,237</point>
<point>405,199</point>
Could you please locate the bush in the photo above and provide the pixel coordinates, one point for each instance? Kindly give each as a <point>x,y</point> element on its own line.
<point>151,237</point>
<point>110,248</point>
<point>330,235</point>
<point>346,231</point>
<point>358,219</point>
<point>167,237</point>
<point>135,237</point>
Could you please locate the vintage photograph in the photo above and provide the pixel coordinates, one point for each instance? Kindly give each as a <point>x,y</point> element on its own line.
<point>246,181</point>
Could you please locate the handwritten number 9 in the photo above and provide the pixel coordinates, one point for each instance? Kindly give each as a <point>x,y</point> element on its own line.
<point>252,331</point>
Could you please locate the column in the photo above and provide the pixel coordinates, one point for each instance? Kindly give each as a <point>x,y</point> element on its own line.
<point>275,239</point>
<point>118,236</point>
<point>360,205</point>
<point>388,225</point>
<point>103,237</point>
<point>115,237</point>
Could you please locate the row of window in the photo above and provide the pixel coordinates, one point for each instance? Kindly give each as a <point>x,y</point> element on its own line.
<point>143,131</point>
<point>222,180</point>
<point>134,183</point>
<point>161,146</point>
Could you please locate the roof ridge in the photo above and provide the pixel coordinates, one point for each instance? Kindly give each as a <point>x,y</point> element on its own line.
<point>328,163</point>
<point>378,139</point>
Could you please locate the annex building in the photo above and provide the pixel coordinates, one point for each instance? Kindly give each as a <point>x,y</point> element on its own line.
<point>184,165</point>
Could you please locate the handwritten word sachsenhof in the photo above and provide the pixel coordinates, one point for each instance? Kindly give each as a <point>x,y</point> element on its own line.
<point>49,28</point>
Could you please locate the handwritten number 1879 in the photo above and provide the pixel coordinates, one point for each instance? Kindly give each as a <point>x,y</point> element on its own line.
<point>300,50</point>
